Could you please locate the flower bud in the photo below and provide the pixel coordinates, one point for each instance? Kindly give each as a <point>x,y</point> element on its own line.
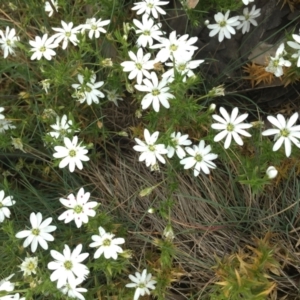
<point>206,22</point>
<point>212,108</point>
<point>271,172</point>
<point>169,233</point>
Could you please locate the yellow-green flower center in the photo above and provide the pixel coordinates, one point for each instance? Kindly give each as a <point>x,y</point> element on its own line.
<point>150,5</point>
<point>8,42</point>
<point>284,132</point>
<point>106,242</point>
<point>72,153</point>
<point>173,47</point>
<point>155,92</point>
<point>151,147</point>
<point>94,27</point>
<point>1,205</point>
<point>139,66</point>
<point>43,49</point>
<point>68,265</point>
<point>181,67</point>
<point>88,89</point>
<point>78,209</point>
<point>198,158</point>
<point>31,266</point>
<point>142,285</point>
<point>230,127</point>
<point>222,23</point>
<point>68,34</point>
<point>276,63</point>
<point>35,231</point>
<point>146,32</point>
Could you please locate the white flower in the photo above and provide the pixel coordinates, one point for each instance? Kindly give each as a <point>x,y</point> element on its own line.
<point>150,150</point>
<point>45,85</point>
<point>8,41</point>
<point>2,116</point>
<point>5,125</point>
<point>175,47</point>
<point>62,127</point>
<point>72,291</point>
<point>139,65</point>
<point>276,63</point>
<point>177,141</point>
<point>286,132</point>
<point>231,126</point>
<point>72,154</point>
<point>248,18</point>
<point>224,26</point>
<point>95,27</point>
<point>157,92</point>
<point>39,233</point>
<point>200,158</point>
<point>108,245</point>
<point>12,297</point>
<point>68,265</point>
<point>150,7</point>
<point>246,2</point>
<point>43,47</point>
<point>295,46</point>
<point>147,30</point>
<point>4,203</point>
<point>88,91</point>
<point>113,96</point>
<point>271,172</point>
<point>29,265</point>
<point>143,283</point>
<point>6,285</point>
<point>79,209</point>
<point>66,33</point>
<point>48,7</point>
<point>183,66</point>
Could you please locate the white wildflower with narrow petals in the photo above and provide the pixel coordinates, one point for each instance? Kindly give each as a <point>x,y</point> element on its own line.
<point>295,46</point>
<point>49,8</point>
<point>107,244</point>
<point>72,291</point>
<point>62,127</point>
<point>6,125</point>
<point>95,27</point>
<point>199,158</point>
<point>277,63</point>
<point>8,41</point>
<point>43,47</point>
<point>4,204</point>
<point>150,7</point>
<point>39,233</point>
<point>6,285</point>
<point>147,31</point>
<point>248,18</point>
<point>68,266</point>
<point>66,33</point>
<point>150,151</point>
<point>230,126</point>
<point>29,266</point>
<point>157,92</point>
<point>138,66</point>
<point>286,132</point>
<point>72,154</point>
<point>224,27</point>
<point>79,209</point>
<point>175,47</point>
<point>142,282</point>
<point>177,141</point>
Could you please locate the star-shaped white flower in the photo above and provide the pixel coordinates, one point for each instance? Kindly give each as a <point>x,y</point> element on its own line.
<point>231,126</point>
<point>176,47</point>
<point>139,65</point>
<point>224,26</point>
<point>88,91</point>
<point>147,31</point>
<point>8,41</point>
<point>149,7</point>
<point>150,150</point>
<point>95,27</point>
<point>178,140</point>
<point>72,291</point>
<point>4,204</point>
<point>107,244</point>
<point>6,125</point>
<point>248,18</point>
<point>62,127</point>
<point>29,266</point>
<point>200,158</point>
<point>43,47</point>
<point>79,209</point>
<point>6,285</point>
<point>48,7</point>
<point>39,233</point>
<point>157,92</point>
<point>277,63</point>
<point>295,46</point>
<point>285,133</point>
<point>66,33</point>
<point>142,283</point>
<point>67,266</point>
<point>72,154</point>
